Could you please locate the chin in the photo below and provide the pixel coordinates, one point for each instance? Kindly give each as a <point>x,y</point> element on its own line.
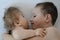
<point>33,27</point>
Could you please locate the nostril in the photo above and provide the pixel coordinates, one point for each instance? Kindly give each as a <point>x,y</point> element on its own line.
<point>30,20</point>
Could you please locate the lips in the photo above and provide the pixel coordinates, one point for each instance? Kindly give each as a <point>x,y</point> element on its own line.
<point>32,23</point>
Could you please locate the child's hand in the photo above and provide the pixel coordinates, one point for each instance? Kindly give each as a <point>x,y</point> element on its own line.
<point>40,32</point>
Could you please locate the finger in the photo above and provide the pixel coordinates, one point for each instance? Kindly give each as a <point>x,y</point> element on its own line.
<point>43,33</point>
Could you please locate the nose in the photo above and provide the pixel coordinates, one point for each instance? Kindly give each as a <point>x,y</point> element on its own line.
<point>31,20</point>
<point>30,23</point>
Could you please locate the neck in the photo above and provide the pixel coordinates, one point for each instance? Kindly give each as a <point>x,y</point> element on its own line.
<point>48,25</point>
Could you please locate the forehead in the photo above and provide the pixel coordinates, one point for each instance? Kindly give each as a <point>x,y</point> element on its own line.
<point>37,10</point>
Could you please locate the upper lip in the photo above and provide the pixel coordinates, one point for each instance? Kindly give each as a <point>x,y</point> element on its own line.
<point>32,23</point>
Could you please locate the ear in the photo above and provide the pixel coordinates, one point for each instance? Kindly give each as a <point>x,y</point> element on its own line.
<point>47,18</point>
<point>17,24</point>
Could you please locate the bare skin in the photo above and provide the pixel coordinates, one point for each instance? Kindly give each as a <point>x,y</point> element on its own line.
<point>40,21</point>
<point>20,33</point>
<point>51,34</point>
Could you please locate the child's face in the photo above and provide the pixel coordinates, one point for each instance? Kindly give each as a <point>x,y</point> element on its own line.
<point>38,19</point>
<point>22,21</point>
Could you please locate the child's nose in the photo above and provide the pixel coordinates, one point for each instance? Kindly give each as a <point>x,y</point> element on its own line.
<point>30,20</point>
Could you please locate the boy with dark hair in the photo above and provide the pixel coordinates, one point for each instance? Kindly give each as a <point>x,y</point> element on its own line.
<point>49,8</point>
<point>48,11</point>
<point>44,16</point>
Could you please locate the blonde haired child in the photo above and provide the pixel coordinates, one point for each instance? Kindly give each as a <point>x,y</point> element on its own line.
<point>15,24</point>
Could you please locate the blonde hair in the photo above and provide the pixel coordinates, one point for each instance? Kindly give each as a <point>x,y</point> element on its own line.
<point>11,16</point>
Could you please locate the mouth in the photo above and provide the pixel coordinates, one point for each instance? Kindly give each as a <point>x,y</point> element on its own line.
<point>32,23</point>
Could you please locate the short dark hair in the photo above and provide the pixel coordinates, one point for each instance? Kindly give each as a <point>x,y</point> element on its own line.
<point>49,8</point>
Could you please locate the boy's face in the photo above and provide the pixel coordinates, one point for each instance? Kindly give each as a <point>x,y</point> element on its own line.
<point>38,19</point>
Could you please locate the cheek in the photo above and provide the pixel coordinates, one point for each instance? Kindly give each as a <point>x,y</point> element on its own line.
<point>24,22</point>
<point>38,21</point>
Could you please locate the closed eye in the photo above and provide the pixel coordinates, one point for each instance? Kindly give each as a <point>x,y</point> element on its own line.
<point>34,16</point>
<point>23,16</point>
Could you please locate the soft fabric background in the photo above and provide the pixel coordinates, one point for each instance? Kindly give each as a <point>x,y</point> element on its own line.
<point>26,6</point>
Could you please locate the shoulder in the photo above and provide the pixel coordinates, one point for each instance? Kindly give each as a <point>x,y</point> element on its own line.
<point>52,29</point>
<point>52,34</point>
<point>6,36</point>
